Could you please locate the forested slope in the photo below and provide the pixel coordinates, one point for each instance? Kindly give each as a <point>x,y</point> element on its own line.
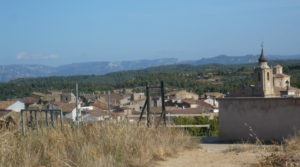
<point>199,78</point>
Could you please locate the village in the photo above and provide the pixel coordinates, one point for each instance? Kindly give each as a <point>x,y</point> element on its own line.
<point>161,83</point>
<point>119,106</point>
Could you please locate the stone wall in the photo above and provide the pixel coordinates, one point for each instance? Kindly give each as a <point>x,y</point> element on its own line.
<point>265,118</point>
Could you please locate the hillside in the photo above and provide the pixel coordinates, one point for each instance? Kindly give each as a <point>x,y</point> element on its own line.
<point>198,78</point>
<point>9,72</point>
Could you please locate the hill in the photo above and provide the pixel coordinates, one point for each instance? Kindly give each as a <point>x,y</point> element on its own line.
<point>9,72</point>
<point>197,78</point>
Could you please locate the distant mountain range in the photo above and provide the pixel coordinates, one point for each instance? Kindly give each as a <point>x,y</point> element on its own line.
<point>9,72</point>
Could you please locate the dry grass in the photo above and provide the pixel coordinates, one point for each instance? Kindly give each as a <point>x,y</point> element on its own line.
<point>253,147</point>
<point>108,144</point>
<point>289,157</point>
<point>239,148</point>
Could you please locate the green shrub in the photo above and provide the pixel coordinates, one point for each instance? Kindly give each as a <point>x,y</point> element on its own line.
<point>214,130</point>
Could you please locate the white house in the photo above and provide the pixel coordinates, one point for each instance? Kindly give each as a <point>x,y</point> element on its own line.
<point>15,106</point>
<point>72,115</point>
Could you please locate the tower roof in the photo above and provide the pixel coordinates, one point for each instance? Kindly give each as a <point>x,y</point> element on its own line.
<point>262,57</point>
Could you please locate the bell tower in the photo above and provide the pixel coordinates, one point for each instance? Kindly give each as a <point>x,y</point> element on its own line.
<point>263,77</point>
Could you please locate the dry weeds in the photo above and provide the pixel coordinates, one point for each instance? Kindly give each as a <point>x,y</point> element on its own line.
<point>289,157</point>
<point>108,144</point>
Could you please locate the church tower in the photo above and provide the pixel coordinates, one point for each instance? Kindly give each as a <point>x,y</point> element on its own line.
<point>263,78</point>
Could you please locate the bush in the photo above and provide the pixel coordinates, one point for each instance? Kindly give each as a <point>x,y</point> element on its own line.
<point>214,130</point>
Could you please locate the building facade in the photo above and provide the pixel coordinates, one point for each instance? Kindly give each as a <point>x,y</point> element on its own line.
<point>269,82</point>
<point>268,110</point>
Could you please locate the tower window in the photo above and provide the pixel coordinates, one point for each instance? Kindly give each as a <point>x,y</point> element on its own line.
<point>268,76</point>
<point>258,77</point>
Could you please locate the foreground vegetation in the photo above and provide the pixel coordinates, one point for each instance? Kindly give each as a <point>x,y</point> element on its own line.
<point>108,144</point>
<point>289,157</point>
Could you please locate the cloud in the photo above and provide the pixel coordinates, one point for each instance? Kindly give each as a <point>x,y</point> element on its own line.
<point>22,55</point>
<point>33,56</point>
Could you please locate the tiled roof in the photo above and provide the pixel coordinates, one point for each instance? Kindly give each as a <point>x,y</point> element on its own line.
<point>38,94</point>
<point>215,94</point>
<point>30,100</point>
<point>65,107</point>
<point>100,105</point>
<point>172,93</point>
<point>5,104</point>
<point>35,106</point>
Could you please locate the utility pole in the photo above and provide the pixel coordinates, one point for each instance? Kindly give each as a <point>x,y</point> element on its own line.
<point>148,105</point>
<point>77,110</point>
<point>163,107</point>
<point>108,103</point>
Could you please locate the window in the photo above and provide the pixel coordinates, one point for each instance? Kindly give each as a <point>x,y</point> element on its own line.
<point>258,76</point>
<point>268,76</point>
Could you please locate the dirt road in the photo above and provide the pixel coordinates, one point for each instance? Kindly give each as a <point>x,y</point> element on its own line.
<point>217,155</point>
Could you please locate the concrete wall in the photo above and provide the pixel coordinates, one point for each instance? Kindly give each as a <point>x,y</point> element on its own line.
<point>266,118</point>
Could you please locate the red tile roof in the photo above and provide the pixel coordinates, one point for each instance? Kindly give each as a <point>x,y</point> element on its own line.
<point>214,94</point>
<point>38,94</point>
<point>100,105</point>
<point>65,107</point>
<point>30,100</point>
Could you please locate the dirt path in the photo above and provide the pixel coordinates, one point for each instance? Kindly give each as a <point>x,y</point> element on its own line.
<point>217,155</point>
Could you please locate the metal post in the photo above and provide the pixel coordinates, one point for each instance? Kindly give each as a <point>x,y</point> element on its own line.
<point>108,103</point>
<point>77,111</point>
<point>51,117</point>
<point>61,120</point>
<point>163,107</point>
<point>148,105</point>
<point>141,115</point>
<point>30,119</point>
<point>47,118</point>
<point>56,118</point>
<point>35,120</point>
<point>22,122</point>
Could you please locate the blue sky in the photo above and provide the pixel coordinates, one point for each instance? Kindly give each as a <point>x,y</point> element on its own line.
<point>58,32</point>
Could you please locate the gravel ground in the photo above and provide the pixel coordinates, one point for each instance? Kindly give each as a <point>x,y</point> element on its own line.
<point>217,155</point>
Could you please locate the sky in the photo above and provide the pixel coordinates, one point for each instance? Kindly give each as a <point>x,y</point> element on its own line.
<point>56,32</point>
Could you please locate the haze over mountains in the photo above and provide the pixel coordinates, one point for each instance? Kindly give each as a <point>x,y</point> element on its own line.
<point>9,72</point>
